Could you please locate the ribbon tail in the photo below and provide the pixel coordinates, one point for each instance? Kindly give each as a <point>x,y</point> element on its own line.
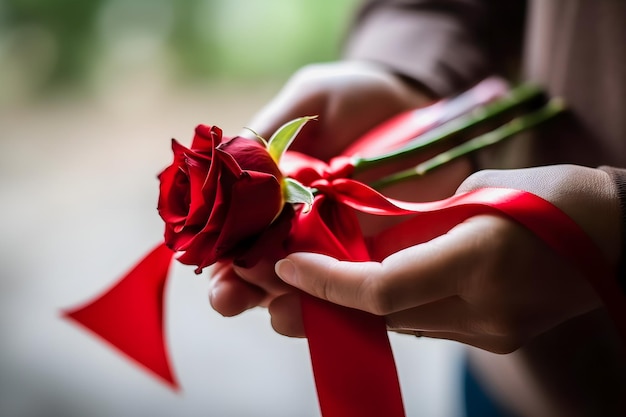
<point>352,359</point>
<point>129,315</point>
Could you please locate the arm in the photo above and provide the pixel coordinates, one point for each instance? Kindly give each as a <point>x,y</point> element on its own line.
<point>435,43</point>
<point>442,45</point>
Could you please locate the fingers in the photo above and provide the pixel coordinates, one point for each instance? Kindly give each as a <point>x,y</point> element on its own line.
<point>408,278</point>
<point>278,112</point>
<point>287,315</point>
<point>451,314</point>
<point>296,99</point>
<point>262,275</point>
<point>579,191</point>
<point>229,295</point>
<point>491,344</point>
<point>327,278</point>
<point>235,289</point>
<point>453,318</point>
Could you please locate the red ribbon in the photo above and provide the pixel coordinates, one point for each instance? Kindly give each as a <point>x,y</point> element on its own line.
<point>351,356</point>
<point>352,361</point>
<point>129,316</point>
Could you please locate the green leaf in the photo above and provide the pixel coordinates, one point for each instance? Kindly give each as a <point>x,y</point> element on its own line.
<point>298,193</point>
<point>284,136</point>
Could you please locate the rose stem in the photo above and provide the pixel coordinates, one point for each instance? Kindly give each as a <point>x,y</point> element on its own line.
<point>516,98</point>
<point>519,124</point>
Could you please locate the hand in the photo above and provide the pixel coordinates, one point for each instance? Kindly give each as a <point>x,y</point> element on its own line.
<point>487,282</point>
<point>350,97</point>
<point>236,289</point>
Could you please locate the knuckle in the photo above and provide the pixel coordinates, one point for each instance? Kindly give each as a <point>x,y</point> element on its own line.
<point>370,291</point>
<point>479,179</point>
<point>325,290</point>
<point>306,75</point>
<point>378,295</point>
<point>362,286</point>
<point>324,287</point>
<point>285,317</point>
<point>492,262</point>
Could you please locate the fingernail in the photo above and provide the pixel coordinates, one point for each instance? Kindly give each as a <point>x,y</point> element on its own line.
<point>286,270</point>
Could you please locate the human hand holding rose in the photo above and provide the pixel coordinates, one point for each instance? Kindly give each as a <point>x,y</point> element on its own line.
<point>233,202</point>
<point>339,95</point>
<point>487,282</point>
<point>216,198</point>
<point>350,99</point>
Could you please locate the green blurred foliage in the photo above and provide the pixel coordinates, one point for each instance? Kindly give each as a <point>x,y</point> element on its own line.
<point>66,43</point>
<point>63,28</point>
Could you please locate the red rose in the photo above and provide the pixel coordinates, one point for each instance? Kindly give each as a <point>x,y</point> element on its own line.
<point>217,196</point>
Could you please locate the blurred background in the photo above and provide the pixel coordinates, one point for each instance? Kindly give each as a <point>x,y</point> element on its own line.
<point>91,91</point>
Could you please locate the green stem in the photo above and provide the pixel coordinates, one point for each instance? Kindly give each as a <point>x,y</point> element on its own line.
<point>517,125</point>
<point>517,98</point>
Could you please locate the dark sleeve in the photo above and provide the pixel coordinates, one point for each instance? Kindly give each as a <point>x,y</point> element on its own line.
<point>619,177</point>
<point>444,45</point>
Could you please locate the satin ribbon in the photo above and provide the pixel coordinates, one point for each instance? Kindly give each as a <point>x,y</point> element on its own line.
<point>352,361</point>
<point>350,352</point>
<point>351,356</point>
<point>129,316</point>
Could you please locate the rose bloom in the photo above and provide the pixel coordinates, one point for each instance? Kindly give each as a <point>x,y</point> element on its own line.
<point>218,196</point>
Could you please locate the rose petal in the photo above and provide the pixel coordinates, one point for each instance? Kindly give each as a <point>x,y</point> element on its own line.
<point>255,202</point>
<point>250,156</point>
<point>206,138</point>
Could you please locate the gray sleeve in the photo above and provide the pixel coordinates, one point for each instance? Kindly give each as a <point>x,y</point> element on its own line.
<point>445,45</point>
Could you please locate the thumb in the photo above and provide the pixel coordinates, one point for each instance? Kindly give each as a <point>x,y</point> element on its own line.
<point>410,277</point>
<point>344,283</point>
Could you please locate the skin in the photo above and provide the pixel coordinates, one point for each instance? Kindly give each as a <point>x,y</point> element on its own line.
<point>487,283</point>
<point>350,98</point>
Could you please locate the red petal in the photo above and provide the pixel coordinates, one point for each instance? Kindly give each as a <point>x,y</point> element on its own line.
<point>206,138</point>
<point>255,201</point>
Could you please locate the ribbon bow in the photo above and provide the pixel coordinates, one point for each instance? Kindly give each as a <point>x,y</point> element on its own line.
<point>351,356</point>
<point>352,360</point>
